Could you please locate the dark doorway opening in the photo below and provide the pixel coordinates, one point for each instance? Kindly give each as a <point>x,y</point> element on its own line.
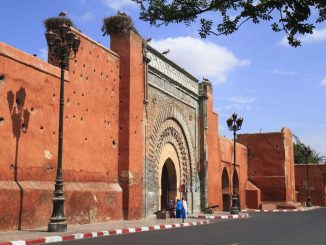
<point>226,191</point>
<point>168,183</point>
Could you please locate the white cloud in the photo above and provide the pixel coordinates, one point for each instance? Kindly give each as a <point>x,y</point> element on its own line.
<point>87,16</point>
<point>317,141</point>
<point>82,18</point>
<point>282,72</point>
<point>316,36</point>
<point>118,4</point>
<point>201,58</point>
<point>242,100</point>
<point>322,125</point>
<point>249,90</point>
<point>234,107</point>
<point>255,3</point>
<point>238,104</point>
<point>221,129</point>
<point>43,54</point>
<point>323,82</point>
<point>283,42</point>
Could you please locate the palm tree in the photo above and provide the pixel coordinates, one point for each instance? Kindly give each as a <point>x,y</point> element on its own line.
<point>299,157</point>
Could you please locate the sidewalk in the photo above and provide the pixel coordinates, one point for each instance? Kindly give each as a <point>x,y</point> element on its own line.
<point>302,209</point>
<point>220,216</point>
<point>40,235</point>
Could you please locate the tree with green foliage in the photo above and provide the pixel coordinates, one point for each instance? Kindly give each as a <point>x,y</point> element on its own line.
<point>299,157</point>
<point>223,17</point>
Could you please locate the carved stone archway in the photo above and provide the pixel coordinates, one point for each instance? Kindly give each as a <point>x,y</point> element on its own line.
<point>169,130</point>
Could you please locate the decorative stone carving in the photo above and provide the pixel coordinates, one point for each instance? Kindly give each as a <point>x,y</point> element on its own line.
<point>171,127</point>
<point>172,90</point>
<point>172,118</point>
<point>167,69</point>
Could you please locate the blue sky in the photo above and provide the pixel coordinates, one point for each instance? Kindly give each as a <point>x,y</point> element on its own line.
<point>254,73</point>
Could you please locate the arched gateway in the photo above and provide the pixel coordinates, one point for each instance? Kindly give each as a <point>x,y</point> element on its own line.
<point>169,175</point>
<point>173,102</point>
<point>169,183</point>
<point>169,162</point>
<point>226,195</point>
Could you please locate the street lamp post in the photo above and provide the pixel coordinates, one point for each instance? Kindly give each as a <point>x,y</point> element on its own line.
<point>60,44</point>
<point>307,153</point>
<point>234,124</point>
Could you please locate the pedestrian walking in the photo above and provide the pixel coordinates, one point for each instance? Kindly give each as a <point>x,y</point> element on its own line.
<point>171,209</point>
<point>178,208</point>
<point>185,208</point>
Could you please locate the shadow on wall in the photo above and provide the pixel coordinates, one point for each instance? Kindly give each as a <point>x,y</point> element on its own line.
<point>20,119</point>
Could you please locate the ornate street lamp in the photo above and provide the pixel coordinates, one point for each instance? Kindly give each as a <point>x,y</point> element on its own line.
<point>307,152</point>
<point>60,45</point>
<point>234,123</point>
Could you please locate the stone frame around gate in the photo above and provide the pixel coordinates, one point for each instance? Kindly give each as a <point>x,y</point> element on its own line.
<point>169,128</point>
<point>171,115</point>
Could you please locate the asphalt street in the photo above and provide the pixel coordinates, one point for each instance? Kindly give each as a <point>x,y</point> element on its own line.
<point>292,228</point>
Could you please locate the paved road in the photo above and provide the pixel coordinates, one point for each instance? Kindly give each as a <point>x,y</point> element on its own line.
<point>295,228</point>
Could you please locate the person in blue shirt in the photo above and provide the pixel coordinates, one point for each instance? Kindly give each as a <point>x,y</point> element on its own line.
<point>178,209</point>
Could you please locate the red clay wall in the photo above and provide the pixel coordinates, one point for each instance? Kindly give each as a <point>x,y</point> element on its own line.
<point>29,137</point>
<point>289,165</point>
<point>253,196</point>
<point>317,183</point>
<point>226,148</point>
<point>219,152</point>
<point>213,154</point>
<point>129,47</point>
<point>270,166</point>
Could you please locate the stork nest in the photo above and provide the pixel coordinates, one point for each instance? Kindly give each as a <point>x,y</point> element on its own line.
<point>118,24</point>
<point>53,23</point>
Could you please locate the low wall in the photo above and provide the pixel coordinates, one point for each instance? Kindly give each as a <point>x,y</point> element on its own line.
<point>28,204</point>
<point>253,196</point>
<point>317,183</point>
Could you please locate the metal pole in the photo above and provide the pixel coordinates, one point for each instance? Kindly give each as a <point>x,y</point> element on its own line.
<point>234,124</point>
<point>235,205</point>
<point>58,220</point>
<point>62,50</point>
